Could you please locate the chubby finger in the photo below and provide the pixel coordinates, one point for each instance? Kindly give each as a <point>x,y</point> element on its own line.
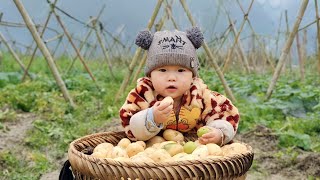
<point>163,106</point>
<point>208,135</point>
<point>168,109</point>
<point>207,140</point>
<point>156,104</point>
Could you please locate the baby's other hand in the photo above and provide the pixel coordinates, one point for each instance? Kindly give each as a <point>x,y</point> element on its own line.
<point>161,111</point>
<point>214,136</point>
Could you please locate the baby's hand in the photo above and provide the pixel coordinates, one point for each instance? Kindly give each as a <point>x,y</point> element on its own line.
<point>214,136</point>
<point>162,110</point>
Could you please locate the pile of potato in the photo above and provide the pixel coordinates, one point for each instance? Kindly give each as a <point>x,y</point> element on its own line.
<point>170,147</point>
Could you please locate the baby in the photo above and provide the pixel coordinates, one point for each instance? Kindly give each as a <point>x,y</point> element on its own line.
<point>172,71</point>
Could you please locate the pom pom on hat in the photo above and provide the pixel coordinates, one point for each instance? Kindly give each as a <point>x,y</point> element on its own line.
<point>196,37</point>
<point>144,39</point>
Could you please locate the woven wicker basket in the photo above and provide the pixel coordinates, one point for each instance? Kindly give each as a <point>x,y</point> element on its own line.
<point>87,167</point>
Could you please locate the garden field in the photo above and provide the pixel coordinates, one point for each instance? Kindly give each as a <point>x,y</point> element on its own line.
<point>37,124</point>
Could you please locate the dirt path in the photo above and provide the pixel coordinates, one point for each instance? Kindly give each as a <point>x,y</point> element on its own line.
<point>270,162</point>
<point>15,131</point>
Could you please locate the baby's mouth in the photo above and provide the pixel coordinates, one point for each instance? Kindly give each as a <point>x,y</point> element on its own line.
<point>171,87</point>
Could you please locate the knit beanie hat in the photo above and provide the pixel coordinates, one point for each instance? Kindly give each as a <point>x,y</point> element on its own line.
<point>171,48</point>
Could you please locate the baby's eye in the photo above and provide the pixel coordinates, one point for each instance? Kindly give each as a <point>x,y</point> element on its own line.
<point>162,70</point>
<point>181,70</point>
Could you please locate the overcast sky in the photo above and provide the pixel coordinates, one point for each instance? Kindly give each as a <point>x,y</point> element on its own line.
<point>133,16</point>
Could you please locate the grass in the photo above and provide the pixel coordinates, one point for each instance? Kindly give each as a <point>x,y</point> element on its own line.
<point>292,112</point>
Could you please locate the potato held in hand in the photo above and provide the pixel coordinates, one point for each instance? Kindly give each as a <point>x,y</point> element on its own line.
<point>203,130</point>
<point>173,135</point>
<point>167,100</point>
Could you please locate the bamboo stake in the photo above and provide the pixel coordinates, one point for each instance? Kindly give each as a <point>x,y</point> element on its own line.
<point>85,39</point>
<point>240,48</point>
<point>137,54</point>
<point>1,55</point>
<point>210,55</point>
<point>224,38</point>
<point>299,50</point>
<point>265,55</point>
<point>91,52</point>
<point>318,33</point>
<point>253,52</point>
<point>304,52</point>
<point>169,13</point>
<point>115,44</point>
<point>57,46</point>
<point>74,47</point>
<point>142,62</point>
<point>53,38</point>
<point>286,48</point>
<point>278,36</point>
<point>238,35</point>
<point>36,48</point>
<point>44,51</point>
<point>80,48</point>
<point>216,17</point>
<point>103,47</point>
<point>15,56</point>
<point>287,36</point>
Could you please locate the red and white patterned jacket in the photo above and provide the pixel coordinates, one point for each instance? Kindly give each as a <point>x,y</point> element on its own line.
<point>199,106</point>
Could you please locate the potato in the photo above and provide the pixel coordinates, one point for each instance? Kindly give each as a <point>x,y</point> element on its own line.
<point>160,155</point>
<point>149,151</point>
<point>173,135</point>
<point>214,149</point>
<point>124,142</point>
<point>133,149</point>
<point>99,154</point>
<point>173,148</point>
<point>154,140</point>
<point>118,152</point>
<point>167,100</point>
<point>234,148</point>
<point>200,152</point>
<point>103,146</point>
<point>165,143</point>
<point>183,156</point>
<point>142,143</point>
<point>141,157</point>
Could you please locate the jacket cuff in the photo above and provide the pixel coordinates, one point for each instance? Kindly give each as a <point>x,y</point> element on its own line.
<point>225,127</point>
<point>142,127</point>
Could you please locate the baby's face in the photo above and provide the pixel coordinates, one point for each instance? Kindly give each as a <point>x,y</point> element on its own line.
<point>171,81</point>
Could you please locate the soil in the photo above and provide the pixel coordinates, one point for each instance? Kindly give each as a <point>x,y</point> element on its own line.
<point>270,162</point>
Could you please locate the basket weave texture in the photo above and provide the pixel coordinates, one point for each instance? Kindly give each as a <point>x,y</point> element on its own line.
<point>87,167</point>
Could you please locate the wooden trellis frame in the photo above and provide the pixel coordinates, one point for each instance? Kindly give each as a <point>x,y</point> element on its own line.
<point>15,56</point>
<point>36,48</point>
<point>137,54</point>
<point>44,51</point>
<point>286,48</point>
<point>318,33</point>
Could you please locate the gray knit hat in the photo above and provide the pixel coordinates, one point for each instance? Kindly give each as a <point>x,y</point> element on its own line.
<point>171,48</point>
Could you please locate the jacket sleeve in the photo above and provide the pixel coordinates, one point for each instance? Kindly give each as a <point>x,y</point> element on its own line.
<point>137,100</point>
<point>143,127</point>
<point>220,113</point>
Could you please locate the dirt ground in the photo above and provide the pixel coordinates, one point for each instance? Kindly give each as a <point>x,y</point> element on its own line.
<point>269,161</point>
